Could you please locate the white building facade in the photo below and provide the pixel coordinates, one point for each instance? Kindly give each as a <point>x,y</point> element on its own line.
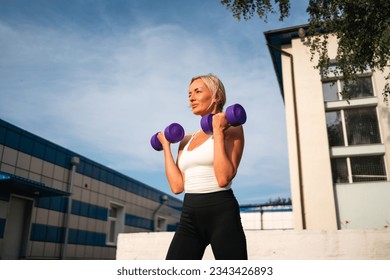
<point>339,150</point>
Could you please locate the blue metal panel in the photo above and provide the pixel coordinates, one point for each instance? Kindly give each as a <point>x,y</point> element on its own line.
<point>2,227</point>
<point>82,237</point>
<point>45,233</point>
<point>12,139</point>
<point>38,150</point>
<point>139,222</point>
<point>89,210</point>
<point>171,227</point>
<point>26,144</point>
<point>3,131</point>
<point>57,203</point>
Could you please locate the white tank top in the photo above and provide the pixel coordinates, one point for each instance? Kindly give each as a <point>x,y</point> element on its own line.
<point>198,169</point>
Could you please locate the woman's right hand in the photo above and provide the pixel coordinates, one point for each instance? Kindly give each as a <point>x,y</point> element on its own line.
<point>164,142</point>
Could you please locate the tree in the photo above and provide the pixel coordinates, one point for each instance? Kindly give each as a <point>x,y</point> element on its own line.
<point>362,28</point>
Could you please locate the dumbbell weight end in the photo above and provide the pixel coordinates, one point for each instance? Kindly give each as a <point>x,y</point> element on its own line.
<point>173,133</point>
<point>206,123</point>
<point>235,115</point>
<point>156,144</point>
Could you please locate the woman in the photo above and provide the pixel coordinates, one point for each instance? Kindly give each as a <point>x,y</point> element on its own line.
<point>204,169</point>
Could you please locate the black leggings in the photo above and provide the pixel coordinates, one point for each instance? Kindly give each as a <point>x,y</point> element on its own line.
<point>212,218</point>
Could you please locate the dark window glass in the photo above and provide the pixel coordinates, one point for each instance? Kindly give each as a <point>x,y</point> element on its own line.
<point>335,130</point>
<point>339,170</point>
<point>38,150</point>
<point>365,169</point>
<point>362,87</point>
<point>12,139</point>
<point>362,126</point>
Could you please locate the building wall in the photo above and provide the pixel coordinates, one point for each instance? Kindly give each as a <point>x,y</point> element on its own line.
<point>314,193</point>
<point>274,245</point>
<point>95,188</point>
<point>318,203</point>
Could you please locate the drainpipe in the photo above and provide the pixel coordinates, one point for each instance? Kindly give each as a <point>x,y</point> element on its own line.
<point>299,159</point>
<point>261,218</point>
<point>164,199</point>
<point>74,162</point>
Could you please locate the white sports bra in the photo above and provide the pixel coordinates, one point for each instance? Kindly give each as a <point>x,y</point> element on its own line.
<point>198,169</point>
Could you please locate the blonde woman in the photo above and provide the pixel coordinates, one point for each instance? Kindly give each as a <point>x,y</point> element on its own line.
<point>204,170</point>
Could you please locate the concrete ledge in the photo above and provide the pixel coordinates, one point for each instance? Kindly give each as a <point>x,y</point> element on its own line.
<point>273,245</point>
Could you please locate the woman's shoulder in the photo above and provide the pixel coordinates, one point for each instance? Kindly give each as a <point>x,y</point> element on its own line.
<point>185,141</point>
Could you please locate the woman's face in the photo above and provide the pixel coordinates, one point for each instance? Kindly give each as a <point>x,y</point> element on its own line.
<point>201,99</point>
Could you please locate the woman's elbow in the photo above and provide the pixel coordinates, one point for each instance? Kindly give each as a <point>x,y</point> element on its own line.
<point>177,191</point>
<point>224,181</point>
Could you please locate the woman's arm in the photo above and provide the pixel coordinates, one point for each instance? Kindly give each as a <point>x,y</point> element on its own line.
<point>228,149</point>
<point>174,175</point>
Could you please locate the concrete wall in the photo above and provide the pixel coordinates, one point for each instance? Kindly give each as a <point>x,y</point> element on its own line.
<point>315,188</point>
<point>274,245</point>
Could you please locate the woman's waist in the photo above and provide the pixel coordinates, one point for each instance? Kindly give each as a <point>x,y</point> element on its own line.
<point>203,184</point>
<point>209,199</point>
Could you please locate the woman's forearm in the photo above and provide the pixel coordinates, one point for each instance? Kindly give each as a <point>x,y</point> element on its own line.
<point>224,168</point>
<point>172,172</point>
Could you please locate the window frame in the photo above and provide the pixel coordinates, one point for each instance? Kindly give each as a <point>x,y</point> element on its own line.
<point>118,221</point>
<point>347,151</point>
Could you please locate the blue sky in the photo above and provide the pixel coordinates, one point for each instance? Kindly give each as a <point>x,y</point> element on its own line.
<point>99,77</point>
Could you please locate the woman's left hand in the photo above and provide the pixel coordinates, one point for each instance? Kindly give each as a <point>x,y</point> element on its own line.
<point>220,122</point>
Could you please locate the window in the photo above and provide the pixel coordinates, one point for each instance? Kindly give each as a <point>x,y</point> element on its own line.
<point>115,222</point>
<point>160,224</point>
<point>353,127</point>
<point>368,169</point>
<point>340,170</point>
<point>358,169</point>
<point>330,91</point>
<point>335,129</point>
<point>352,122</point>
<point>359,89</point>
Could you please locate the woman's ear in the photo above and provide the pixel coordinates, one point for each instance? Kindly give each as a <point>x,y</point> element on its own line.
<point>217,99</point>
<point>218,103</point>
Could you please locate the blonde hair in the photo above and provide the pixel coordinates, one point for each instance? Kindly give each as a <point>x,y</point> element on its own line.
<point>215,86</point>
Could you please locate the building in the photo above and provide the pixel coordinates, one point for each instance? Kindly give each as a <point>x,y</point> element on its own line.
<point>339,150</point>
<point>56,204</point>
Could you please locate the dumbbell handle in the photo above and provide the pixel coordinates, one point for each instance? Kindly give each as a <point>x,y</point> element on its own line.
<point>173,133</point>
<point>235,115</point>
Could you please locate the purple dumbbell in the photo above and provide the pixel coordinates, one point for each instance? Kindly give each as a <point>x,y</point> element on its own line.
<point>235,115</point>
<point>173,133</point>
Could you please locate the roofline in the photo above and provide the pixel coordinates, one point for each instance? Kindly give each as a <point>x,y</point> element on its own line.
<point>290,29</point>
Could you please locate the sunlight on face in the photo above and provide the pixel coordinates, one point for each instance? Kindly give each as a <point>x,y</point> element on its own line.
<point>200,97</point>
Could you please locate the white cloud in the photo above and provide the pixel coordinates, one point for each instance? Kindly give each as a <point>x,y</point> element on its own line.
<point>105,96</point>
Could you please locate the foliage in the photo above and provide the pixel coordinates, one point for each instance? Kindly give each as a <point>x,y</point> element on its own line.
<point>361,26</point>
<point>247,8</point>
